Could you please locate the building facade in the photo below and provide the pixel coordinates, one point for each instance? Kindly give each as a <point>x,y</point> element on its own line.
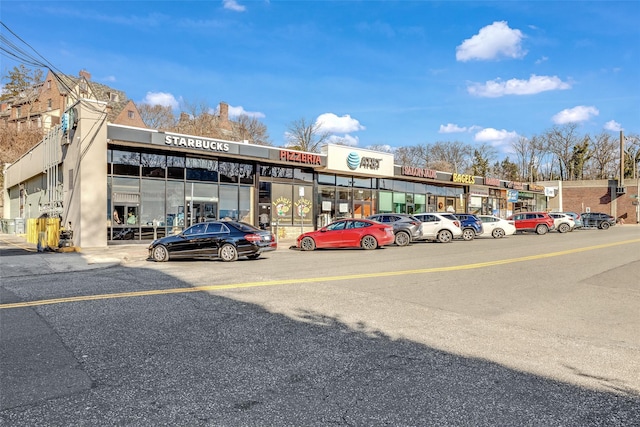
<point>605,195</point>
<point>113,183</point>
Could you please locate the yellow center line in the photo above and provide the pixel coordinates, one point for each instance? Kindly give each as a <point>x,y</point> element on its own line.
<point>310,279</point>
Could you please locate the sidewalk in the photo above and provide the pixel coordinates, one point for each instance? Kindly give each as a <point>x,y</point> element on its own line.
<point>20,258</point>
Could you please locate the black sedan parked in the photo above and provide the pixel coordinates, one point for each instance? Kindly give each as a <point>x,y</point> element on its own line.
<point>225,240</point>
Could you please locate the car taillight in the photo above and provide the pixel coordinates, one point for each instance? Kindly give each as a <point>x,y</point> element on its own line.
<point>253,237</point>
<point>457,223</point>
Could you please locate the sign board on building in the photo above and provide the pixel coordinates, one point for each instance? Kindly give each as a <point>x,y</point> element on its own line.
<point>341,158</point>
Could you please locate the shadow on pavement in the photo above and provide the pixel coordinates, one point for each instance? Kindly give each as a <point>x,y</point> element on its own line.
<point>196,358</point>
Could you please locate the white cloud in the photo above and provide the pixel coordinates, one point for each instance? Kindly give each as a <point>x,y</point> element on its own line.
<point>614,126</point>
<point>233,5</point>
<point>492,42</point>
<point>329,122</point>
<point>580,113</point>
<point>346,139</point>
<point>161,98</point>
<point>535,84</point>
<point>239,110</point>
<point>495,136</point>
<point>451,128</point>
<point>541,60</point>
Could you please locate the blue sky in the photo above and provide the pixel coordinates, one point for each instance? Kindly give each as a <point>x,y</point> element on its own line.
<point>393,73</point>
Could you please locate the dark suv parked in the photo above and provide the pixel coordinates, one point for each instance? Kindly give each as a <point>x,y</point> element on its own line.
<point>405,227</point>
<point>597,219</point>
<point>470,224</point>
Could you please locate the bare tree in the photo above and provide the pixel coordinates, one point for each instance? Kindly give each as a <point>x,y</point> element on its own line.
<point>450,156</point>
<point>306,136</point>
<point>632,156</point>
<point>560,141</point>
<point>413,155</point>
<point>250,129</point>
<point>158,117</point>
<point>528,153</point>
<point>603,156</point>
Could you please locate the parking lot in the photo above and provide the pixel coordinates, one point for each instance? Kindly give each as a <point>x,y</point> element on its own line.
<point>487,332</point>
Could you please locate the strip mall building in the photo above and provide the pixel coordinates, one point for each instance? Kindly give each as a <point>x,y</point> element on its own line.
<point>111,183</point>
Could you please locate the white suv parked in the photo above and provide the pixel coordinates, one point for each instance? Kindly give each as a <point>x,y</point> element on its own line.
<point>441,227</point>
<point>562,222</point>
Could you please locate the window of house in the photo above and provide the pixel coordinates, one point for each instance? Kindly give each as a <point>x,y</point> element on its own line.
<point>113,97</point>
<point>49,104</point>
<point>131,114</point>
<point>18,112</point>
<point>48,84</point>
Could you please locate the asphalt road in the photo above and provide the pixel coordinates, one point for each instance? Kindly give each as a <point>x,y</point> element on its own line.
<point>526,330</point>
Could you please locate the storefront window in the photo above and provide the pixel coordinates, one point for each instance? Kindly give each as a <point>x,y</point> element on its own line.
<point>326,179</point>
<point>399,202</point>
<point>126,163</point>
<point>303,205</point>
<point>201,202</point>
<point>153,202</point>
<point>343,181</point>
<point>229,172</point>
<point>175,167</point>
<point>385,202</point>
<point>326,203</point>
<point>175,207</point>
<point>343,203</point>
<point>245,203</point>
<point>153,165</point>
<point>420,203</point>
<point>282,204</point>
<point>202,169</point>
<point>246,173</point>
<point>229,208</point>
<point>281,172</point>
<point>302,175</point>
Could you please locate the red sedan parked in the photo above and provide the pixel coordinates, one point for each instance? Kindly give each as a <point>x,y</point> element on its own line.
<point>348,233</point>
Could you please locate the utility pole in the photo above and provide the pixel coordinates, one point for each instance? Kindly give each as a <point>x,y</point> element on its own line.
<point>621,159</point>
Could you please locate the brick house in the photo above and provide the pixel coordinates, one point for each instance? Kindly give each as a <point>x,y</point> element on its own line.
<point>44,106</point>
<point>603,195</point>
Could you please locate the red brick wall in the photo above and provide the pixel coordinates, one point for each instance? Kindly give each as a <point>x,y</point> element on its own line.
<point>599,199</point>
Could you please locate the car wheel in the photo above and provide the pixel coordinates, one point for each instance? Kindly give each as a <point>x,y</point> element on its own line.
<point>604,225</point>
<point>563,228</point>
<point>497,233</point>
<point>228,253</point>
<point>445,236</point>
<point>307,244</point>
<point>160,253</point>
<point>369,242</point>
<point>402,238</point>
<point>253,256</point>
<point>468,234</point>
<point>542,229</point>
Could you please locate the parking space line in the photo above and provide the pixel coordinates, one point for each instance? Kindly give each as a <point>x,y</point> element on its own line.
<point>310,279</point>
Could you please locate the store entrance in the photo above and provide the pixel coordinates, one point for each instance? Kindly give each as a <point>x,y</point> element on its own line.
<point>361,209</point>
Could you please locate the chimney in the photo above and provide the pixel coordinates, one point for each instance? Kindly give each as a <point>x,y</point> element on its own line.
<point>224,112</point>
<point>85,74</point>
